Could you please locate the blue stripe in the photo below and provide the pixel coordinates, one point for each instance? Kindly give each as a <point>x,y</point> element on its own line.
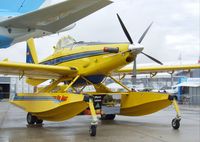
<point>36,98</point>
<point>73,57</point>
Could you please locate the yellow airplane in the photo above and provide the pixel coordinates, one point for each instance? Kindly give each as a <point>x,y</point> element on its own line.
<point>72,67</point>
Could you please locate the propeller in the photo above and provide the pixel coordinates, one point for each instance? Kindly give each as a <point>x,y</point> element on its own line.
<point>139,41</point>
<point>125,30</point>
<point>144,34</point>
<point>152,58</point>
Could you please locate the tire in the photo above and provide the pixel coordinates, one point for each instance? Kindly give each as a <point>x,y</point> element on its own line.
<point>108,116</point>
<point>93,129</point>
<point>39,121</point>
<point>175,123</point>
<point>31,119</point>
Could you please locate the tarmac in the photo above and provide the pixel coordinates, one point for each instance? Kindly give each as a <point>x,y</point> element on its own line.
<point>151,128</point>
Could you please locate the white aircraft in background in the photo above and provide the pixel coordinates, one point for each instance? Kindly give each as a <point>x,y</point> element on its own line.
<point>48,19</point>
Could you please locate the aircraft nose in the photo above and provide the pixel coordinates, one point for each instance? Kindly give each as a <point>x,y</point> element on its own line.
<point>136,48</point>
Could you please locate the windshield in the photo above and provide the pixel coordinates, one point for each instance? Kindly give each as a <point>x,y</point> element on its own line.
<point>65,42</point>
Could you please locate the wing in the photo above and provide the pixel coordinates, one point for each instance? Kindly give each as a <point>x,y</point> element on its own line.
<point>36,71</point>
<point>56,17</point>
<point>159,69</point>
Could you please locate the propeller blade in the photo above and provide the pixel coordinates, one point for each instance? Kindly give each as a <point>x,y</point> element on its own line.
<point>155,60</point>
<point>134,73</point>
<point>144,34</point>
<point>125,30</point>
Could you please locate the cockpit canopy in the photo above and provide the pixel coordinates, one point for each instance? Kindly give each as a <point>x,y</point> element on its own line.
<point>70,43</point>
<point>65,42</point>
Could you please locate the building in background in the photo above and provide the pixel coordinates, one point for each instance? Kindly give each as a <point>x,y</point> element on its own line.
<point>189,91</point>
<point>186,83</point>
<point>10,85</point>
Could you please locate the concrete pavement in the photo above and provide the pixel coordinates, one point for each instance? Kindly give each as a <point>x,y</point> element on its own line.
<point>151,128</point>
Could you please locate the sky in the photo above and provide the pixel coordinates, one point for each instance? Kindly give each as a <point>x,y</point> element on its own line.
<point>21,6</point>
<point>174,35</point>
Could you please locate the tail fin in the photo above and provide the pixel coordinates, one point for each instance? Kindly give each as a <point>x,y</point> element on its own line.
<point>31,55</point>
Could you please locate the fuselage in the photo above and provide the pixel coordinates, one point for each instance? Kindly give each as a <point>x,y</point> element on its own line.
<point>91,60</point>
<point>10,36</point>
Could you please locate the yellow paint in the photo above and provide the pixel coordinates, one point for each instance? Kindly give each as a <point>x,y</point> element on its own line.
<point>72,82</point>
<point>92,110</point>
<point>5,60</point>
<point>118,82</point>
<point>93,65</point>
<point>51,86</point>
<point>34,82</point>
<point>53,110</point>
<point>156,69</point>
<point>143,103</point>
<point>60,105</point>
<point>36,71</point>
<point>31,46</point>
<point>101,88</point>
<point>106,93</point>
<point>176,107</point>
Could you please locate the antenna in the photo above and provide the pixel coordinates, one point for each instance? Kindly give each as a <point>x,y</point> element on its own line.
<point>180,58</point>
<point>21,5</point>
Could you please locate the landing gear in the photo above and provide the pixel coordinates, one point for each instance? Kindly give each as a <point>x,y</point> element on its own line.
<point>93,127</point>
<point>31,120</point>
<point>107,116</point>
<point>39,121</point>
<point>176,123</point>
<point>92,131</point>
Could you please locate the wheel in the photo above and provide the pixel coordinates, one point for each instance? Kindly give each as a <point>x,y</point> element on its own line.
<point>31,119</point>
<point>93,129</point>
<point>39,121</point>
<point>107,116</point>
<point>175,123</point>
<point>111,116</point>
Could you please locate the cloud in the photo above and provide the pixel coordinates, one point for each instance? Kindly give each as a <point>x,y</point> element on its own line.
<point>175,29</point>
<point>181,39</point>
<point>192,7</point>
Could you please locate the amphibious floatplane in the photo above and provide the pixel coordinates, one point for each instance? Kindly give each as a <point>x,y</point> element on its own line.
<point>72,67</point>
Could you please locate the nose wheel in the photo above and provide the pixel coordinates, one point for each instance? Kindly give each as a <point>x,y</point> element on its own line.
<point>107,116</point>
